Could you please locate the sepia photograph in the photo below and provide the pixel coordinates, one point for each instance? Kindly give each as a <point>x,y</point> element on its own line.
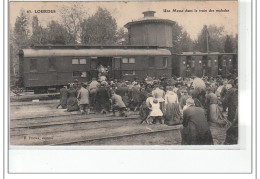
<point>158,73</point>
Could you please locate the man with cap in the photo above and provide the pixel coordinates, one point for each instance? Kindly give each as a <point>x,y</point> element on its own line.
<point>118,104</point>
<point>83,98</point>
<point>195,127</point>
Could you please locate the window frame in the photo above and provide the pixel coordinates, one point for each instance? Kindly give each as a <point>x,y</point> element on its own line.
<point>125,71</point>
<point>80,59</point>
<point>80,76</point>
<point>132,59</point>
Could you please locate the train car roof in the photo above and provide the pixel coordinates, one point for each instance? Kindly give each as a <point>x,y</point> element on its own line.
<point>93,52</point>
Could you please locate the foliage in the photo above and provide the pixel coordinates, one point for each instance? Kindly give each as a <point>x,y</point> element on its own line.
<point>39,34</point>
<point>72,18</point>
<point>181,40</point>
<point>228,47</point>
<point>21,31</point>
<point>216,38</point>
<point>99,29</point>
<point>57,34</point>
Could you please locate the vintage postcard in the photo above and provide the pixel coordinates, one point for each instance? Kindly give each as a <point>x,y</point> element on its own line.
<point>129,87</point>
<point>123,73</point>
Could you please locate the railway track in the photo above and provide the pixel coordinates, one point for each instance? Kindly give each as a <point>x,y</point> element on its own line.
<point>53,127</point>
<point>79,129</point>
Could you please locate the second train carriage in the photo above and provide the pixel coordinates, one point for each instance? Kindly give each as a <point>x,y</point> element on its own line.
<point>199,64</point>
<point>43,67</point>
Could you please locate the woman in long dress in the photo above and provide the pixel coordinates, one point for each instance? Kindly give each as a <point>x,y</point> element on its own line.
<point>72,103</point>
<point>214,113</point>
<point>172,112</point>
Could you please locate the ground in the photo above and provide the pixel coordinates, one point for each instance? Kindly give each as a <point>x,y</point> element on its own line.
<point>40,123</point>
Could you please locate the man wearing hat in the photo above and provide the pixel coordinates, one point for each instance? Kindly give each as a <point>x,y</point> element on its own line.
<point>83,98</point>
<point>118,104</point>
<point>195,127</point>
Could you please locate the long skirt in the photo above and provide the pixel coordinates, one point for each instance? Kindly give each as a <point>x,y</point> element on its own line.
<point>72,104</point>
<point>144,112</point>
<point>172,114</point>
<point>192,136</point>
<point>215,115</point>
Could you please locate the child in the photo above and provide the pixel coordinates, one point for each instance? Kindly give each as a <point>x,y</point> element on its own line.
<point>156,112</point>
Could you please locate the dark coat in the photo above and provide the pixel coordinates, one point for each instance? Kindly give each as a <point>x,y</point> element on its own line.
<point>196,129</point>
<point>63,97</point>
<point>72,102</point>
<point>231,101</point>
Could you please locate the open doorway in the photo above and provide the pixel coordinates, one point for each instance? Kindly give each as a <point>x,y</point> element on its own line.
<point>104,61</point>
<point>104,66</point>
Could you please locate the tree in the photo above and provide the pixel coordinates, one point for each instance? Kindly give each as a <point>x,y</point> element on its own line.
<point>122,37</point>
<point>72,18</point>
<point>99,29</point>
<point>228,47</point>
<point>39,34</point>
<point>57,34</point>
<point>21,31</point>
<point>181,40</point>
<point>216,38</point>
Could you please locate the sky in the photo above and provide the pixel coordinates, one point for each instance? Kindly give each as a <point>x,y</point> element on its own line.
<point>125,12</point>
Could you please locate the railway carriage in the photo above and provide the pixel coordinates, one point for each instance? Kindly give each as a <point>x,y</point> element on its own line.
<point>44,67</point>
<point>204,64</point>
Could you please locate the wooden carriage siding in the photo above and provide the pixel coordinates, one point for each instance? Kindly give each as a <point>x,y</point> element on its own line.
<point>208,64</point>
<point>58,66</point>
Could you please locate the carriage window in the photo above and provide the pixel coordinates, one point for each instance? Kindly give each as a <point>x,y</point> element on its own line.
<point>76,74</point>
<point>83,74</point>
<point>129,72</point>
<point>79,74</point>
<point>33,65</point>
<point>124,60</point>
<point>131,60</point>
<point>82,61</point>
<point>165,60</point>
<point>75,61</point>
<point>151,62</point>
<point>52,64</point>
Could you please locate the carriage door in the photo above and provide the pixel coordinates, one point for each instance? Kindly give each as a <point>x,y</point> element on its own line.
<point>116,68</point>
<point>93,67</point>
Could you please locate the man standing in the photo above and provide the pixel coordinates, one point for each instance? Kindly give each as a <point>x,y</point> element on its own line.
<point>93,86</point>
<point>196,130</point>
<point>231,100</point>
<point>83,98</point>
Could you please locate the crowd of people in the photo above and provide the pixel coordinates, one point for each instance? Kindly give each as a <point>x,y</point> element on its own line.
<point>194,102</point>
